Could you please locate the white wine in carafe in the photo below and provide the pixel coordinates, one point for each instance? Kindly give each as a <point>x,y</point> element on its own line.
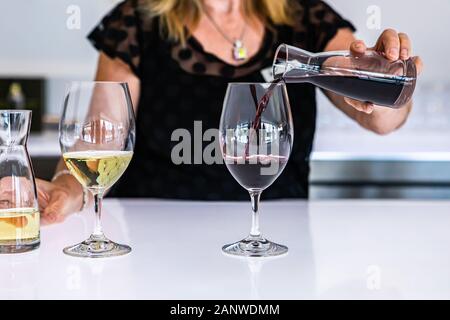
<point>19,224</point>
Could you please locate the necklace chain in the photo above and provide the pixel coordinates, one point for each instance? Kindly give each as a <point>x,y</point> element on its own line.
<point>224,35</point>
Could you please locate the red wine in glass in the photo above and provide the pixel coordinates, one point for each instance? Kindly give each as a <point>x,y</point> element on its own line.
<point>256,172</point>
<point>260,106</point>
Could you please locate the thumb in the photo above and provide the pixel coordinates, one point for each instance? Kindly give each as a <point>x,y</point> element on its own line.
<point>358,47</point>
<point>361,106</point>
<point>419,64</point>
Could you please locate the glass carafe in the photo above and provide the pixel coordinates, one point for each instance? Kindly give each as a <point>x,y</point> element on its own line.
<point>367,77</point>
<point>19,211</point>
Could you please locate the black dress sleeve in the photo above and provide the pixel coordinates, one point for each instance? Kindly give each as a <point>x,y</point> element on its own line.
<point>118,34</point>
<point>322,23</point>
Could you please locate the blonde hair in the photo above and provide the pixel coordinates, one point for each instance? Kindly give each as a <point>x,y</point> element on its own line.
<point>175,15</point>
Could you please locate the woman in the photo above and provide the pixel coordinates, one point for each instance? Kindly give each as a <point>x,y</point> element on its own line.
<point>178,57</point>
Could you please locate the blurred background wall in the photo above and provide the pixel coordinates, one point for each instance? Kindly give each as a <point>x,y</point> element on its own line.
<point>413,162</point>
<point>348,161</point>
<point>36,40</point>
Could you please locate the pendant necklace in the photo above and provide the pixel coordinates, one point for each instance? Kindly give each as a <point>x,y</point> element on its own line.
<point>239,50</point>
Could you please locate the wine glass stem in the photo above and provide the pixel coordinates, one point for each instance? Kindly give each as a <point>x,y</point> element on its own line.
<point>254,196</point>
<point>98,230</point>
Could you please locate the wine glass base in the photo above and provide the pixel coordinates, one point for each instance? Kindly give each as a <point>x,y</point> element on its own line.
<point>255,247</point>
<point>97,247</point>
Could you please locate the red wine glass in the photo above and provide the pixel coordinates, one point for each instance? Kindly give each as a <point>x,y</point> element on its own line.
<point>256,136</point>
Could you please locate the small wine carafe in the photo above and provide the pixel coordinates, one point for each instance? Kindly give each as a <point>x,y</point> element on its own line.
<point>367,77</point>
<point>19,211</point>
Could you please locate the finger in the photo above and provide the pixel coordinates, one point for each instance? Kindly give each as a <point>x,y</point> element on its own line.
<point>42,206</point>
<point>358,47</point>
<point>43,189</point>
<point>58,205</point>
<point>419,64</point>
<point>43,199</point>
<point>368,108</point>
<point>361,106</point>
<point>43,195</point>
<point>389,44</point>
<point>405,46</point>
<point>60,218</point>
<point>48,219</point>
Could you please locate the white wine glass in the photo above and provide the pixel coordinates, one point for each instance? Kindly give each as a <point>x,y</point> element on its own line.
<point>97,135</point>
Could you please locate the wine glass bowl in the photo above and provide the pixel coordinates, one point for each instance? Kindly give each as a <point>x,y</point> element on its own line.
<point>256,136</point>
<point>97,134</point>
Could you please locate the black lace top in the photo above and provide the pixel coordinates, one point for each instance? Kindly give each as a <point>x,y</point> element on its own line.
<point>184,84</point>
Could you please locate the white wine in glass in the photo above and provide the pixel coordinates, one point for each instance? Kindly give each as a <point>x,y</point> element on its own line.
<point>97,170</point>
<point>97,134</point>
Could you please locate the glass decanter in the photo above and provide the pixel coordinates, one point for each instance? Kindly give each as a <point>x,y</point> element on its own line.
<point>19,211</point>
<point>367,77</point>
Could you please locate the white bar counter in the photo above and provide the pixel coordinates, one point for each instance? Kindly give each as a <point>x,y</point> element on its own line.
<point>338,250</point>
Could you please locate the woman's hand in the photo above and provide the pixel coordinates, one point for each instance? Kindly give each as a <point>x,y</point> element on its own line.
<point>57,201</point>
<point>393,46</point>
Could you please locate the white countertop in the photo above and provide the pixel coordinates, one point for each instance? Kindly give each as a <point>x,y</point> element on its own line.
<point>338,249</point>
